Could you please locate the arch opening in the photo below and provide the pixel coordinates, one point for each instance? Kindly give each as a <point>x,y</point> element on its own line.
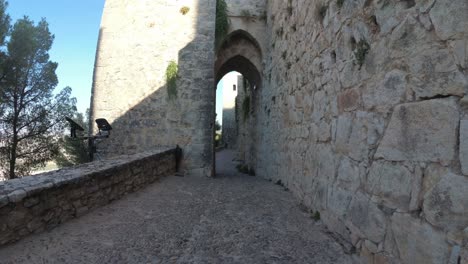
<point>241,53</point>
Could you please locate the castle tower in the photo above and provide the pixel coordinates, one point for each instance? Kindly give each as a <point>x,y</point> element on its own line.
<point>153,78</point>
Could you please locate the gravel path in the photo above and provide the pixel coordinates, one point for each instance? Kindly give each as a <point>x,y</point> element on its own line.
<point>231,219</point>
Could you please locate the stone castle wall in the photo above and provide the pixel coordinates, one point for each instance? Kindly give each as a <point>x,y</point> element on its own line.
<point>138,40</point>
<point>363,116</point>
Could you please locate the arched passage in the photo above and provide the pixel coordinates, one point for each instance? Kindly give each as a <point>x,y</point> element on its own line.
<point>240,52</point>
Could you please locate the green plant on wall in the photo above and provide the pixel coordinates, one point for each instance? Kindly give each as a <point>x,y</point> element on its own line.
<point>171,79</point>
<point>184,10</point>
<point>361,51</point>
<point>246,107</point>
<point>222,22</point>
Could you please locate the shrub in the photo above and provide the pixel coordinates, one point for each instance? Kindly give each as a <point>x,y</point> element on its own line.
<point>361,51</point>
<point>184,10</point>
<point>171,79</point>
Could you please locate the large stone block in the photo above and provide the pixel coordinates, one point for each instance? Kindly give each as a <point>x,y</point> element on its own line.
<point>446,204</point>
<point>389,92</point>
<point>367,218</point>
<point>422,131</point>
<point>418,242</point>
<point>391,184</point>
<point>348,100</point>
<point>450,18</point>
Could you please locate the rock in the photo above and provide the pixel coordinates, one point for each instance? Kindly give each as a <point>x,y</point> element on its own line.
<point>367,217</point>
<point>464,146</point>
<point>432,175</point>
<point>416,190</point>
<point>390,183</point>
<point>371,246</point>
<point>446,204</point>
<point>405,140</point>
<point>354,135</point>
<point>383,96</point>
<point>454,256</point>
<point>348,175</point>
<point>460,50</point>
<point>17,195</point>
<point>434,72</point>
<point>450,18</point>
<point>343,130</point>
<point>418,242</point>
<point>348,100</point>
<point>339,200</point>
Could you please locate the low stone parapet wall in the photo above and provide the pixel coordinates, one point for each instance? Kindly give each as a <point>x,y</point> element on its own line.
<point>37,203</point>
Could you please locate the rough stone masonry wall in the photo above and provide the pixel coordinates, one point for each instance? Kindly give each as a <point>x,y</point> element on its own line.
<point>37,203</point>
<point>380,150</point>
<point>138,40</point>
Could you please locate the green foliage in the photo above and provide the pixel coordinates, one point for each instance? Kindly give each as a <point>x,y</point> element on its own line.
<point>222,22</point>
<point>29,111</point>
<point>340,3</point>
<point>171,80</point>
<point>316,216</point>
<point>73,151</point>
<point>361,51</point>
<point>4,22</point>
<point>184,10</point>
<point>244,169</point>
<point>218,137</point>
<point>246,107</point>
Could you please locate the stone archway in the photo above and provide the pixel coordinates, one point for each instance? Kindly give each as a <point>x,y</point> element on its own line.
<point>241,52</point>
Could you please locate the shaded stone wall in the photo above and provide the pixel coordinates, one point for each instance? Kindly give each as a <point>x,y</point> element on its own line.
<point>138,40</point>
<point>41,202</point>
<point>363,116</point>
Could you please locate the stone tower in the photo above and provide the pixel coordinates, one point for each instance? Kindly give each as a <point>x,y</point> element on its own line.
<point>138,41</point>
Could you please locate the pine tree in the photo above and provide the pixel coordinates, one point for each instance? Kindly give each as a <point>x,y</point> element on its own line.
<point>30,115</point>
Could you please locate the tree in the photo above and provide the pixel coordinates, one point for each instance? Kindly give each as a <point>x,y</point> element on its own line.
<point>30,114</point>
<point>4,29</point>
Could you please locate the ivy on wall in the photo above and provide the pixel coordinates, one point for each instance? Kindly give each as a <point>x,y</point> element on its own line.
<point>222,21</point>
<point>171,80</point>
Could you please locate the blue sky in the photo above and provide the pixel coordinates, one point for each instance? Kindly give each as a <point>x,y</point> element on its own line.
<point>75,24</point>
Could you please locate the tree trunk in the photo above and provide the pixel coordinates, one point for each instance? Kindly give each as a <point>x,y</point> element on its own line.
<point>12,165</point>
<point>13,158</point>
